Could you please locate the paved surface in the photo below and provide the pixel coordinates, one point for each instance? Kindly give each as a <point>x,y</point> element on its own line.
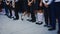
<point>10,26</point>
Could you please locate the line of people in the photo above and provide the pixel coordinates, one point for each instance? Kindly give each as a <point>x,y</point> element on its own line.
<point>35,10</point>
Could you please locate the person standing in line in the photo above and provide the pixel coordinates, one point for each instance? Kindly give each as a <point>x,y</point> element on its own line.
<point>52,16</point>
<point>16,9</point>
<point>47,12</point>
<point>31,9</point>
<point>6,8</point>
<point>24,9</point>
<point>57,8</point>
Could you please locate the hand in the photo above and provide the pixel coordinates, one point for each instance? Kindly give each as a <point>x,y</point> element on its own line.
<point>40,4</point>
<point>29,4</point>
<point>13,6</point>
<point>46,5</point>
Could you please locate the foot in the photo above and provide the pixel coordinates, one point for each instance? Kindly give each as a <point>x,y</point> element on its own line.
<point>58,32</point>
<point>15,19</point>
<point>46,25</point>
<point>39,23</point>
<point>22,19</point>
<point>31,21</point>
<point>51,29</point>
<point>10,17</point>
<point>28,19</point>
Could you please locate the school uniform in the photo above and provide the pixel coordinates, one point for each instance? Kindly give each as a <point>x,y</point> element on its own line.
<point>1,6</point>
<point>9,6</point>
<point>16,9</point>
<point>25,5</point>
<point>22,6</point>
<point>31,10</point>
<point>53,16</point>
<point>57,8</point>
<point>37,5</point>
<point>5,7</point>
<point>47,11</point>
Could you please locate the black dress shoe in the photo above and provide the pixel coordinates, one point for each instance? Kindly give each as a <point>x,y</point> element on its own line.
<point>58,32</point>
<point>31,20</point>
<point>22,19</point>
<point>10,17</point>
<point>28,19</point>
<point>39,23</point>
<point>5,14</point>
<point>45,25</point>
<point>15,19</point>
<point>51,29</point>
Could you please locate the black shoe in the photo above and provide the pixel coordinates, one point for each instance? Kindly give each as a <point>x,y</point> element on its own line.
<point>5,14</point>
<point>51,29</point>
<point>39,23</point>
<point>28,19</point>
<point>31,21</point>
<point>22,19</point>
<point>15,19</point>
<point>58,32</point>
<point>47,26</point>
<point>10,17</point>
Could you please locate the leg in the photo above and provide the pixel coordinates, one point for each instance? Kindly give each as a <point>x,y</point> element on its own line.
<point>46,16</point>
<point>53,18</point>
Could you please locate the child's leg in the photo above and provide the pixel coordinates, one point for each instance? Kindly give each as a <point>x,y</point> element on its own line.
<point>39,17</point>
<point>23,15</point>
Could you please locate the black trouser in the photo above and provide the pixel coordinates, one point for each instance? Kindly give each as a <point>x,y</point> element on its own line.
<point>53,15</point>
<point>10,10</point>
<point>16,11</point>
<point>57,7</point>
<point>46,15</point>
<point>32,13</point>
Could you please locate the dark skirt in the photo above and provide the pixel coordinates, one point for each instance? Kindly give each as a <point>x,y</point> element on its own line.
<point>0,8</point>
<point>37,7</point>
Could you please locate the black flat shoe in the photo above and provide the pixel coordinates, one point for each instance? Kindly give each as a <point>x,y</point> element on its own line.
<point>28,19</point>
<point>51,29</point>
<point>22,19</point>
<point>39,23</point>
<point>45,25</point>
<point>15,19</point>
<point>31,21</point>
<point>10,17</point>
<point>58,32</point>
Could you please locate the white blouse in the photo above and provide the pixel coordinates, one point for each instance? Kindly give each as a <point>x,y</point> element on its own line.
<point>49,1</point>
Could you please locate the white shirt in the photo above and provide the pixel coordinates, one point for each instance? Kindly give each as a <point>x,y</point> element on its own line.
<point>57,0</point>
<point>13,3</point>
<point>7,2</point>
<point>16,0</point>
<point>49,1</point>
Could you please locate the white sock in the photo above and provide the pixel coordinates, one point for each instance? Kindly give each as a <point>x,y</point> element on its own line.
<point>22,16</point>
<point>36,17</point>
<point>29,17</point>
